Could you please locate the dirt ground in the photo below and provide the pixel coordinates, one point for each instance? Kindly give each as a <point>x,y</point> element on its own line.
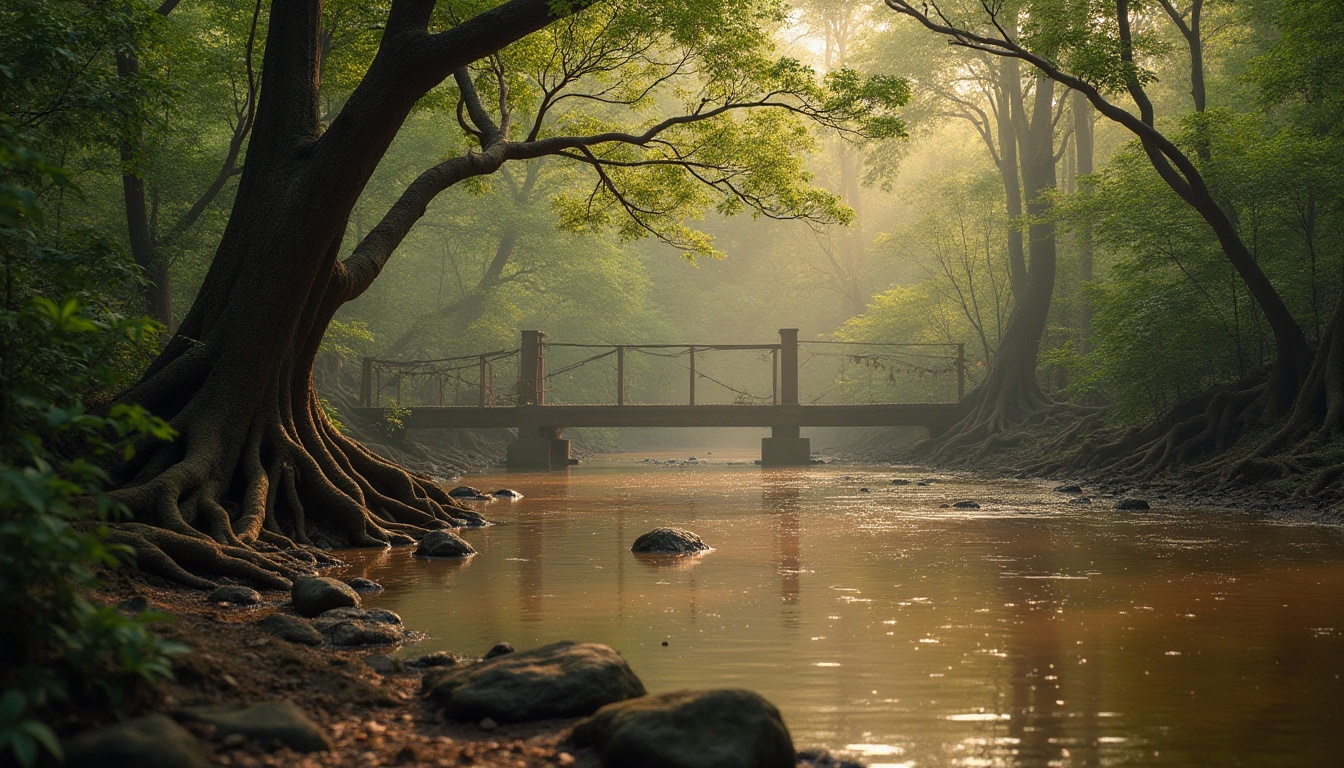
<point>374,720</point>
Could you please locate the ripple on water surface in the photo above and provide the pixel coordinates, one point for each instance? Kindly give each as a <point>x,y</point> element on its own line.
<point>898,630</point>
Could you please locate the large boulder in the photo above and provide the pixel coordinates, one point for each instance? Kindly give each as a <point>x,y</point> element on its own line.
<point>278,720</point>
<point>669,541</point>
<point>153,741</point>
<point>443,544</point>
<point>565,679</point>
<point>313,595</point>
<point>730,728</point>
<point>290,628</point>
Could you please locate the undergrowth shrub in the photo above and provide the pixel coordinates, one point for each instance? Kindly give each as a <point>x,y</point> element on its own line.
<point>63,343</point>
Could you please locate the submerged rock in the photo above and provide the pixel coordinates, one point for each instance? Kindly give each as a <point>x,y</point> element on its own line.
<point>565,679</point>
<point>1068,489</point>
<point>499,649</point>
<point>279,720</point>
<point>364,586</point>
<point>236,595</point>
<point>289,628</point>
<point>312,595</point>
<point>900,481</point>
<point>443,544</point>
<point>729,728</point>
<point>1081,500</point>
<point>1132,505</point>
<point>153,741</point>
<point>965,504</point>
<point>469,493</point>
<point>467,518</point>
<point>669,541</point>
<point>507,493</point>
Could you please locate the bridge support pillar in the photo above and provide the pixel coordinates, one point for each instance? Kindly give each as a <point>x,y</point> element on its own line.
<point>785,448</point>
<point>538,448</point>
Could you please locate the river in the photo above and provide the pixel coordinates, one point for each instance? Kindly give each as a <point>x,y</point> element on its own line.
<point>892,628</point>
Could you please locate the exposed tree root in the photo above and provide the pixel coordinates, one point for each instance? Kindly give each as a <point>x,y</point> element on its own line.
<point>257,494</point>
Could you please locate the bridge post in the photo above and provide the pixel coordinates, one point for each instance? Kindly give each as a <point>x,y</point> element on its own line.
<point>786,447</point>
<point>532,369</point>
<point>536,448</point>
<point>366,384</point>
<point>620,375</point>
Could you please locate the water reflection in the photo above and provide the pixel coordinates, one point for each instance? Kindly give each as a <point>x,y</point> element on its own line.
<point>780,495</point>
<point>1027,633</point>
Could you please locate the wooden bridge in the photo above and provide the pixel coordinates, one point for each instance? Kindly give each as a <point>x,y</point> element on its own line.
<point>539,444</point>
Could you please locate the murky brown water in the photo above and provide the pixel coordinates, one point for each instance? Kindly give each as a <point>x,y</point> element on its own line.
<point>1029,632</point>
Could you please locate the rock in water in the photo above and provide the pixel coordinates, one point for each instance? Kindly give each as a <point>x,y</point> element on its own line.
<point>289,628</point>
<point>899,481</point>
<point>443,544</point>
<point>235,595</point>
<point>965,505</point>
<point>1132,505</point>
<point>507,493</point>
<point>469,493</point>
<point>498,649</point>
<point>730,728</point>
<point>313,595</point>
<point>1068,489</point>
<point>364,586</point>
<point>153,741</point>
<point>279,720</point>
<point>669,541</point>
<point>565,679</point>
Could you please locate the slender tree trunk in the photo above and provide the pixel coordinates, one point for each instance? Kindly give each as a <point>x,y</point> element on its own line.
<point>1008,120</point>
<point>1085,145</point>
<point>157,292</point>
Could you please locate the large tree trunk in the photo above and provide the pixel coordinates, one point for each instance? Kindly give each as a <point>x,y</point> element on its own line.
<point>257,474</point>
<point>1010,393</point>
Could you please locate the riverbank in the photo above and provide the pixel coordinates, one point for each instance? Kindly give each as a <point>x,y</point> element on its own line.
<point>366,703</point>
<point>1290,498</point>
<point>372,718</point>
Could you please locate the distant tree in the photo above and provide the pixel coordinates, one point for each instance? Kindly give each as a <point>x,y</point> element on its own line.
<point>258,473</point>
<point>1092,48</point>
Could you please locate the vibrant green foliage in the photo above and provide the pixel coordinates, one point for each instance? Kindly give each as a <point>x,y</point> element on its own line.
<point>61,343</point>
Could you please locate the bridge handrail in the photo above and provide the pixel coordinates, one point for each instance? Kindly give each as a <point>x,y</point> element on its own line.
<point>698,347</point>
<point>497,354</point>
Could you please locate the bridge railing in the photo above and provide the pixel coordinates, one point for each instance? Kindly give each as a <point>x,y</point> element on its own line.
<point>541,372</point>
<point>852,372</point>
<point>487,379</point>
<point>662,374</point>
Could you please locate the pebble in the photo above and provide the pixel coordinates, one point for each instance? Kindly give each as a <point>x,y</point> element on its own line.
<point>488,724</point>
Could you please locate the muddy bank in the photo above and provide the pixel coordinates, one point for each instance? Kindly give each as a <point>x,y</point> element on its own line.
<point>1290,498</point>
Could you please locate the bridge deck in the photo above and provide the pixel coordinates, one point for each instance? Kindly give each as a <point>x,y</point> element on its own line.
<point>936,416</point>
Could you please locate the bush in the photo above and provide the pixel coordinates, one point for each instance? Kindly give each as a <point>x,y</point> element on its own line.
<point>59,648</point>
